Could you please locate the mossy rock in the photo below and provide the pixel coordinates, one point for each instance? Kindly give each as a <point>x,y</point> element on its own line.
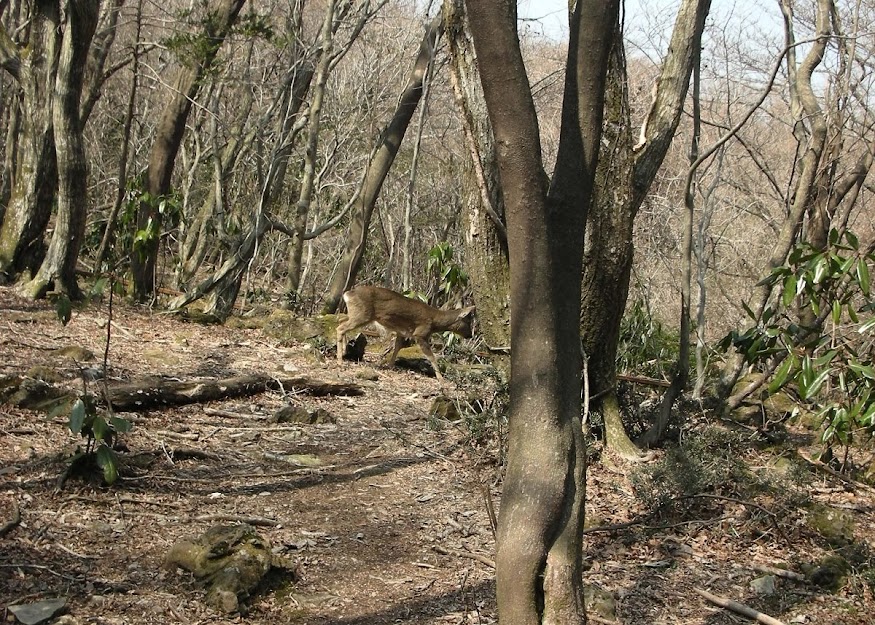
<point>600,602</point>
<point>747,414</point>
<point>231,558</point>
<point>286,326</point>
<point>74,353</point>
<point>836,526</point>
<point>44,373</point>
<point>160,356</point>
<point>780,404</point>
<point>299,414</point>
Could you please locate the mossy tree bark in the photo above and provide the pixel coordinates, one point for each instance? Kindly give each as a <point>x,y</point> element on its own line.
<point>59,267</point>
<point>485,227</point>
<point>22,247</point>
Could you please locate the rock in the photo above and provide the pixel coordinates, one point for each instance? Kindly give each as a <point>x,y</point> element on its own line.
<point>46,374</point>
<point>291,414</point>
<point>600,602</point>
<point>367,373</point>
<point>231,558</point>
<point>764,586</point>
<point>74,353</point>
<point>39,611</point>
<point>299,414</point>
<point>836,526</point>
<point>829,573</point>
<point>747,414</point>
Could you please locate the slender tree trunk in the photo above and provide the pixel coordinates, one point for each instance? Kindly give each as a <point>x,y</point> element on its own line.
<point>539,548</point>
<point>407,241</point>
<point>378,168</point>
<point>308,180</point>
<point>804,105</point>
<point>109,231</point>
<point>168,138</point>
<point>682,366</point>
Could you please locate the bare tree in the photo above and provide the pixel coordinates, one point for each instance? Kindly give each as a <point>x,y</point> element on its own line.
<point>378,167</point>
<point>216,27</point>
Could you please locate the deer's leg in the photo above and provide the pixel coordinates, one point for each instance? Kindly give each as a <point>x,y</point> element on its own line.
<point>342,329</point>
<point>426,349</point>
<point>399,341</point>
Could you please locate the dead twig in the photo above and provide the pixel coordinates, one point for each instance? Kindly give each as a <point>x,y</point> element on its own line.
<point>738,608</point>
<point>464,554</point>
<point>773,570</point>
<point>236,518</point>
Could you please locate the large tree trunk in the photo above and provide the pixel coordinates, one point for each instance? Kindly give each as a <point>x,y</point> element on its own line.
<point>609,240</point>
<point>485,229</point>
<point>607,261</point>
<point>539,548</point>
<point>168,138</point>
<point>22,247</point>
<point>59,267</point>
<point>378,169</point>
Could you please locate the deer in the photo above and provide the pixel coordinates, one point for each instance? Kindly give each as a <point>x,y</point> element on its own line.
<point>406,318</point>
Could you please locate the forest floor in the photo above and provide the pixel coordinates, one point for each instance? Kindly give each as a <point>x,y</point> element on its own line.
<point>381,512</point>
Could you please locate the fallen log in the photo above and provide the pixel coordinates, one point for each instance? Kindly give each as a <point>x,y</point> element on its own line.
<point>154,392</point>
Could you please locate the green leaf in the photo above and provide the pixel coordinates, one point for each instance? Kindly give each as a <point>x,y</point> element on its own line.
<point>868,325</point>
<point>99,287</point>
<point>852,313</point>
<point>120,425</point>
<point>100,427</point>
<point>812,389</point>
<point>864,370</point>
<point>852,240</point>
<point>824,360</point>
<point>789,290</point>
<point>863,276</point>
<point>836,312</point>
<point>106,460</point>
<point>781,375</point>
<point>77,416</point>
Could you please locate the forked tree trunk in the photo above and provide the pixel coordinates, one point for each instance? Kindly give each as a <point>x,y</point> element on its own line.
<point>609,240</point>
<point>378,168</point>
<point>539,534</point>
<point>59,267</point>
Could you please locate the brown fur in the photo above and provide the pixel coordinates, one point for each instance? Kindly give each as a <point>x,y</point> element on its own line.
<point>403,316</point>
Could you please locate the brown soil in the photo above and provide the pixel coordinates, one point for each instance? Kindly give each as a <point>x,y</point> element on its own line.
<point>390,527</point>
